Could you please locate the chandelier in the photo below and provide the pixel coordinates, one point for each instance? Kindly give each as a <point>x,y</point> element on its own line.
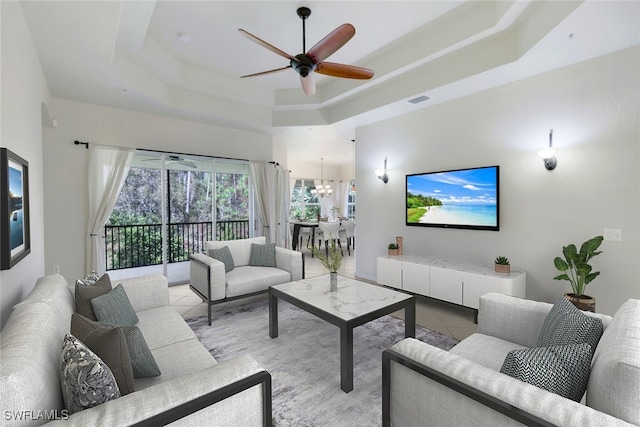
<point>322,190</point>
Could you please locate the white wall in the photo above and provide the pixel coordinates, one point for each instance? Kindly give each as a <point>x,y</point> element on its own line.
<point>65,169</point>
<point>24,91</point>
<point>593,108</point>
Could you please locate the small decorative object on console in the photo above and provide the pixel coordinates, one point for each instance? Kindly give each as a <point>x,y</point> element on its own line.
<point>502,265</point>
<point>393,249</point>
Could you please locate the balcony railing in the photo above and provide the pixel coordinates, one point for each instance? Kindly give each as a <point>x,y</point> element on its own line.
<point>140,245</point>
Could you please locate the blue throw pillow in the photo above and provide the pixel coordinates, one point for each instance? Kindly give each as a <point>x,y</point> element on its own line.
<point>263,255</point>
<point>115,308</point>
<point>223,255</point>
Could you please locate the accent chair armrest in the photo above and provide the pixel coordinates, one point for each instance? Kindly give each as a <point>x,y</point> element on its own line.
<point>207,276</point>
<point>291,261</point>
<point>421,382</point>
<point>236,391</point>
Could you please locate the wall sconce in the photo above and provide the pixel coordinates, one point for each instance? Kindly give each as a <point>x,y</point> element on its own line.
<point>382,173</point>
<point>548,154</point>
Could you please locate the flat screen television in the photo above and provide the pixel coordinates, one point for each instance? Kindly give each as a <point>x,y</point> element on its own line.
<point>462,198</point>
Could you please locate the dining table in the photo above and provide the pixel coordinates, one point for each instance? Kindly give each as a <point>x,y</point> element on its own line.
<point>297,225</point>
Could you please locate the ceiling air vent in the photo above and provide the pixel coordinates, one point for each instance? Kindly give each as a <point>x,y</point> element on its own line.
<point>419,99</point>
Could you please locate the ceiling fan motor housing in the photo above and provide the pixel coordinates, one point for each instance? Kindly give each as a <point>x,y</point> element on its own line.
<point>303,64</point>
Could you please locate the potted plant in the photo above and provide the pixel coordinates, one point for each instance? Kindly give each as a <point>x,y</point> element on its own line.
<point>331,258</point>
<point>502,265</point>
<point>576,269</point>
<point>393,249</point>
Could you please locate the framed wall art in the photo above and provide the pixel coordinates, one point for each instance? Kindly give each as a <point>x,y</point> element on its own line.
<point>15,241</point>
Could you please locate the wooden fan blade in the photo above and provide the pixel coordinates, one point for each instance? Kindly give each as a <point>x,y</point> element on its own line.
<point>265,44</point>
<point>267,72</point>
<point>343,70</point>
<point>332,42</point>
<point>308,85</point>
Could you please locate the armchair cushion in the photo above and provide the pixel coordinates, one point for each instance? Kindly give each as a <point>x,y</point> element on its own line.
<point>115,308</point>
<point>263,255</point>
<point>566,324</point>
<point>560,369</point>
<point>223,255</point>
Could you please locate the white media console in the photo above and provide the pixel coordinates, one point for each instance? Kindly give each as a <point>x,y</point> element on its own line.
<point>457,282</point>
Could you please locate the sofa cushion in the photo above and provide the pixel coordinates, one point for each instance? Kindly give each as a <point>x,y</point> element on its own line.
<point>110,345</point>
<point>263,255</point>
<point>115,308</point>
<point>566,324</point>
<point>614,384</point>
<point>223,255</point>
<point>85,379</point>
<point>560,369</point>
<point>84,295</point>
<point>163,326</point>
<point>250,279</point>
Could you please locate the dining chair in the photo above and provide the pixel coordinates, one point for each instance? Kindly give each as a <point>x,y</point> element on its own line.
<point>348,231</point>
<point>328,231</point>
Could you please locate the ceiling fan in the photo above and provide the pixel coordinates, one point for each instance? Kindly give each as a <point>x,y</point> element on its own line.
<point>313,60</point>
<point>175,159</point>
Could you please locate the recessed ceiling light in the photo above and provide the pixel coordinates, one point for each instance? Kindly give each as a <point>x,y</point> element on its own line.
<point>184,38</point>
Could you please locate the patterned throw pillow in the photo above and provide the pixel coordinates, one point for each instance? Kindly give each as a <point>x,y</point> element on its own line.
<point>85,379</point>
<point>110,345</point>
<point>559,369</point>
<point>115,308</point>
<point>84,295</point>
<point>263,255</point>
<point>223,255</point>
<point>566,324</point>
<point>89,280</point>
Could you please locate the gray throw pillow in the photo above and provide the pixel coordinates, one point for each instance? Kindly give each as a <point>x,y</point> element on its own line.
<point>559,369</point>
<point>566,324</point>
<point>223,255</point>
<point>90,280</point>
<point>110,345</point>
<point>84,294</point>
<point>142,361</point>
<point>263,255</point>
<point>86,380</point>
<point>115,308</point>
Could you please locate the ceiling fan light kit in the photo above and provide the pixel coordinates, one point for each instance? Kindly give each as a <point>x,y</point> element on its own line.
<point>305,64</point>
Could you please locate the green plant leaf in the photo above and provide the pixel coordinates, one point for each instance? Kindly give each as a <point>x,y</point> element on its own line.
<point>562,277</point>
<point>591,276</point>
<point>570,253</point>
<point>560,264</point>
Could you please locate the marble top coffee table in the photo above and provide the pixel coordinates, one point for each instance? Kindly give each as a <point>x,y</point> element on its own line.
<point>353,304</point>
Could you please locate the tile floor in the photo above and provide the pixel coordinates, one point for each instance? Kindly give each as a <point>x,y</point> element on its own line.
<point>439,316</point>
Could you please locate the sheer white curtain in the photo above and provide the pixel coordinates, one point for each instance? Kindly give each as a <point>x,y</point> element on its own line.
<point>344,198</point>
<point>263,178</point>
<point>108,169</point>
<point>283,203</point>
<point>272,198</point>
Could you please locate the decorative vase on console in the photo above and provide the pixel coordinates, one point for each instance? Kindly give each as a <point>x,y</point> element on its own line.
<point>331,258</point>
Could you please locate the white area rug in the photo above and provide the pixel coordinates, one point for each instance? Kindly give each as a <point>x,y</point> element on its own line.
<point>304,361</point>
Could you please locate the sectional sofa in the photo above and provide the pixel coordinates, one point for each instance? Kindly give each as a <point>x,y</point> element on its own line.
<point>192,388</point>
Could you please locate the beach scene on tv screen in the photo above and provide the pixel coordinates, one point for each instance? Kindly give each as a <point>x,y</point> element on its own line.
<point>465,197</point>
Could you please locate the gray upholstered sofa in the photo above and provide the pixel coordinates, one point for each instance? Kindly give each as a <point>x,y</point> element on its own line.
<point>236,391</point>
<point>423,385</point>
<point>210,281</point>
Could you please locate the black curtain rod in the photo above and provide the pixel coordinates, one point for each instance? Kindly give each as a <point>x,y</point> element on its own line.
<point>86,145</point>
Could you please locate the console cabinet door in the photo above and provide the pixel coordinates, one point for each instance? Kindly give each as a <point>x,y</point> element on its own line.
<point>446,284</point>
<point>389,272</point>
<point>415,278</point>
<point>475,285</point>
